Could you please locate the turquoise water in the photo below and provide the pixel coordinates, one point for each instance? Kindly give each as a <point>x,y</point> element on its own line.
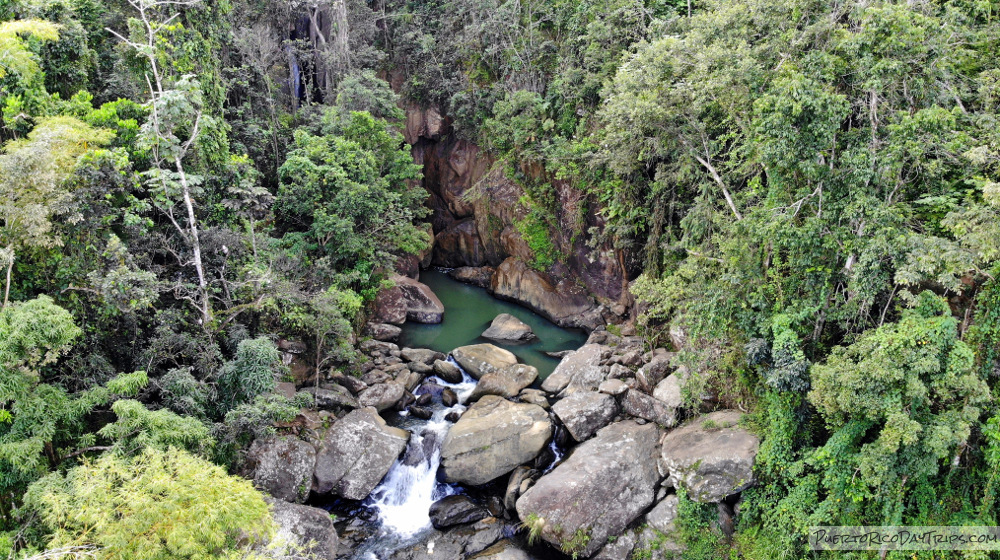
<point>469,310</point>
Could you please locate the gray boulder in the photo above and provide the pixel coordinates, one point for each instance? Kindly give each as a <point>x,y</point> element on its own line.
<point>480,359</point>
<point>613,387</point>
<point>711,456</point>
<point>447,371</point>
<point>355,454</point>
<point>652,373</point>
<point>332,397</point>
<point>383,331</point>
<point>585,412</point>
<point>602,487</point>
<point>580,370</point>
<point>382,396</point>
<point>620,549</point>
<point>492,438</point>
<point>668,391</point>
<point>306,526</point>
<point>282,467</point>
<point>506,382</point>
<point>641,405</point>
<point>456,543</point>
<point>420,355</point>
<point>456,510</point>
<point>509,328</point>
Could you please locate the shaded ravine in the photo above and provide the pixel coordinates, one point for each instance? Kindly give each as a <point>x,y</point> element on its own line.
<point>469,311</point>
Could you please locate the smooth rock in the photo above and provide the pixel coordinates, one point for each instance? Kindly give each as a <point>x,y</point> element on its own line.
<point>476,275</point>
<point>282,466</point>
<point>355,454</point>
<point>456,510</point>
<point>564,302</point>
<point>479,359</point>
<point>421,355</point>
<point>506,382</point>
<point>447,371</point>
<point>305,526</point>
<point>711,456</point>
<point>503,550</point>
<point>383,331</point>
<point>492,438</point>
<point>509,328</point>
<point>668,391</point>
<point>602,487</point>
<point>382,396</point>
<point>613,387</point>
<point>534,396</point>
<point>449,398</point>
<point>585,412</point>
<point>580,370</point>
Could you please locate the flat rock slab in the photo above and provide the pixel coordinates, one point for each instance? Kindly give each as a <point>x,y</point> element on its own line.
<point>480,359</point>
<point>492,438</point>
<point>603,486</point>
<point>711,456</point>
<point>585,412</point>
<point>355,454</point>
<point>506,382</point>
<point>509,328</point>
<point>282,467</point>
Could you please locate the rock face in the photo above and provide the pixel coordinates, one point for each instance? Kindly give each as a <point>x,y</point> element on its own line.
<point>459,245</point>
<point>356,453</point>
<point>480,359</point>
<point>578,370</point>
<point>456,510</point>
<point>508,327</point>
<point>475,275</point>
<point>711,456</point>
<point>564,303</point>
<point>604,485</point>
<point>306,526</point>
<point>506,382</point>
<point>585,412</point>
<point>492,438</point>
<point>282,467</point>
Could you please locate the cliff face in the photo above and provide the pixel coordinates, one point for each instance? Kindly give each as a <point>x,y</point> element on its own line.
<point>474,210</point>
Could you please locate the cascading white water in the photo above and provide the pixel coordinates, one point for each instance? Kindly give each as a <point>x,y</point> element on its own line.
<point>404,497</point>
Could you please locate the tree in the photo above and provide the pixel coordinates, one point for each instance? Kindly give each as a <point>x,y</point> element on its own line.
<point>159,505</point>
<point>32,184</point>
<point>251,373</point>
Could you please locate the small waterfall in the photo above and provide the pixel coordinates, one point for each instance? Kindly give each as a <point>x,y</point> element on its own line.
<point>404,497</point>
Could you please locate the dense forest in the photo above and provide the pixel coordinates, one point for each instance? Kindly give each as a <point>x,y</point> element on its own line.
<point>800,200</point>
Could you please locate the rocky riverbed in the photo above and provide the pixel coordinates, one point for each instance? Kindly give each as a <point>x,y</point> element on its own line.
<point>480,455</point>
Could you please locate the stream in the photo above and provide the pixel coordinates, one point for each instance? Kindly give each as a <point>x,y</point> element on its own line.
<point>395,515</point>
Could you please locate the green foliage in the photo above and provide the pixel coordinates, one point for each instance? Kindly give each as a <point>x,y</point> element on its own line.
<point>254,420</point>
<point>157,505</point>
<point>138,428</point>
<point>33,334</point>
<point>253,372</point>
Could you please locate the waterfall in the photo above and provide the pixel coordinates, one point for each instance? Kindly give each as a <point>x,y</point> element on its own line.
<point>404,497</point>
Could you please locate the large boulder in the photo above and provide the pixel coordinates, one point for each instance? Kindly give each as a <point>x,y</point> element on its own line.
<point>447,371</point>
<point>492,438</point>
<point>420,355</point>
<point>509,328</point>
<point>480,359</point>
<point>281,466</point>
<point>579,370</point>
<point>563,302</point>
<point>641,405</point>
<point>602,487</point>
<point>332,397</point>
<point>355,454</point>
<point>422,305</point>
<point>506,382</point>
<point>382,396</point>
<point>308,527</point>
<point>711,456</point>
<point>383,331</point>
<point>585,412</point>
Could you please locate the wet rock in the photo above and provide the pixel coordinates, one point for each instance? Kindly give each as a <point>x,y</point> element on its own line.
<point>563,302</point>
<point>383,331</point>
<point>456,543</point>
<point>476,275</point>
<point>308,527</point>
<point>333,398</point>
<point>406,401</point>
<point>447,371</point>
<point>456,510</point>
<point>506,382</point>
<point>355,454</point>
<point>507,327</point>
<point>452,417</point>
<point>585,412</point>
<point>421,368</point>
<point>421,412</point>
<point>559,353</point>
<point>492,438</point>
<point>580,370</point>
<point>711,456</point>
<point>382,396</point>
<point>480,359</point>
<point>449,398</point>
<point>421,355</point>
<point>641,405</point>
<point>281,466</point>
<point>602,487</point>
<point>516,485</point>
<point>424,399</point>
